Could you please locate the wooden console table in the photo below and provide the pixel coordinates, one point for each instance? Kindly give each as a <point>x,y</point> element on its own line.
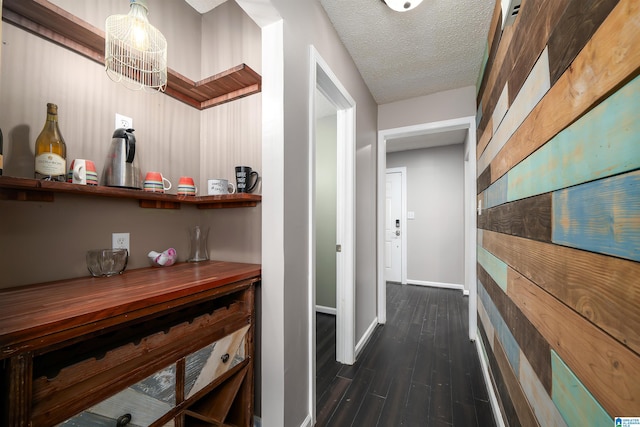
<point>151,347</point>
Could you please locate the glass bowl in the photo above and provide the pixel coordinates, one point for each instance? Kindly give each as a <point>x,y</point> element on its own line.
<point>107,262</point>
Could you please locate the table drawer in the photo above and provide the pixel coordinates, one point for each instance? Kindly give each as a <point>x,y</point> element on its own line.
<point>205,365</point>
<point>142,403</point>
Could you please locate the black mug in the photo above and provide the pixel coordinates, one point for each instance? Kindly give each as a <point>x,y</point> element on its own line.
<point>243,177</point>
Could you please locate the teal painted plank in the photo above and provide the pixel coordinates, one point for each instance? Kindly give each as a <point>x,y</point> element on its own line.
<point>604,142</point>
<point>494,266</point>
<point>576,404</point>
<point>501,329</point>
<point>601,216</point>
<point>496,194</point>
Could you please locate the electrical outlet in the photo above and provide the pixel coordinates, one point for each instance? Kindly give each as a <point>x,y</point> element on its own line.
<point>123,121</point>
<point>120,241</point>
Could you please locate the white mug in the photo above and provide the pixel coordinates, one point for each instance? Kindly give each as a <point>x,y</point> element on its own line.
<point>79,172</point>
<point>82,172</point>
<point>219,186</point>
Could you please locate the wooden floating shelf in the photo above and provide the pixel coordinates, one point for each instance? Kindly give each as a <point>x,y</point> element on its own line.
<point>55,24</point>
<point>26,189</point>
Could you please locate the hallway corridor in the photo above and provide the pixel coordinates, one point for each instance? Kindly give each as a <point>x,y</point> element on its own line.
<point>419,369</point>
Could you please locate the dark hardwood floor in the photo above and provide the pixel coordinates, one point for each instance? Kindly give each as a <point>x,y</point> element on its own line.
<point>419,369</point>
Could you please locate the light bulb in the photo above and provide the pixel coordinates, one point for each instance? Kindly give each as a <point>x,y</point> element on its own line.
<point>402,5</point>
<point>139,36</point>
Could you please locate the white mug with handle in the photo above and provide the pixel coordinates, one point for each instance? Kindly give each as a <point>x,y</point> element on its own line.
<point>219,186</point>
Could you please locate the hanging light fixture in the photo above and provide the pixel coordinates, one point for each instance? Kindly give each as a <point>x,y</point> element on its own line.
<point>402,5</point>
<point>135,51</point>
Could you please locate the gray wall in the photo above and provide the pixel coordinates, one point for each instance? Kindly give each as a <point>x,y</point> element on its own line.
<point>439,106</point>
<point>326,206</point>
<point>435,193</point>
<point>305,23</point>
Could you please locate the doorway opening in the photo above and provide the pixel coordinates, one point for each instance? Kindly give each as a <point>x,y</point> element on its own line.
<point>463,123</point>
<point>324,82</point>
<point>395,241</point>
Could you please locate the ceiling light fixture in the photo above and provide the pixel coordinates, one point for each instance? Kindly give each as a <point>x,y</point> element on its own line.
<point>135,51</point>
<point>402,5</point>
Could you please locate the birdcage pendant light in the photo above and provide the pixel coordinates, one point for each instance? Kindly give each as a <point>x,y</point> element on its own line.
<point>135,51</point>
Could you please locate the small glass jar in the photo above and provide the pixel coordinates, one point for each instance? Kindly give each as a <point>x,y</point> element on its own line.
<point>198,237</point>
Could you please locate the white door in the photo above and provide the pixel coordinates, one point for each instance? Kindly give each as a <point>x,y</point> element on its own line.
<point>393,228</point>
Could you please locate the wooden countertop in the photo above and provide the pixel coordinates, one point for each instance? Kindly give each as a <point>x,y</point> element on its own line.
<point>46,313</point>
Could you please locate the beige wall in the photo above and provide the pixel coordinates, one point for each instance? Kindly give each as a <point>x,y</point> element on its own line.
<point>172,138</point>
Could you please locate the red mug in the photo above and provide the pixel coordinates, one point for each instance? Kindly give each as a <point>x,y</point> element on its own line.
<point>154,182</point>
<point>186,186</point>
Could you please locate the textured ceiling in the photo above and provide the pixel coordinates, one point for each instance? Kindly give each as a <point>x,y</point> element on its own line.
<point>437,46</point>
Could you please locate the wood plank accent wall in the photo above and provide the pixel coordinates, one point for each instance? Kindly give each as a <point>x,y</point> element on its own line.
<point>559,230</point>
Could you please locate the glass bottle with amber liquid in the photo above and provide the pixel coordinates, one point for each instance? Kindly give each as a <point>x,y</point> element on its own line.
<point>51,150</point>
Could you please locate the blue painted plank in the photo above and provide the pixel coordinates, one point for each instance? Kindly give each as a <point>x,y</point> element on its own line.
<point>577,406</point>
<point>501,329</point>
<point>601,216</point>
<point>604,142</point>
<point>496,268</point>
<point>496,194</point>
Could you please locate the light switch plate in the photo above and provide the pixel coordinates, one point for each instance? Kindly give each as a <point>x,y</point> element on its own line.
<point>411,215</point>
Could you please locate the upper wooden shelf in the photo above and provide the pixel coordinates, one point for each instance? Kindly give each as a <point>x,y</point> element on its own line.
<point>61,27</point>
<point>26,189</point>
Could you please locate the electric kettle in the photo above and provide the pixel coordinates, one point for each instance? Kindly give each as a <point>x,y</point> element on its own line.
<point>121,166</point>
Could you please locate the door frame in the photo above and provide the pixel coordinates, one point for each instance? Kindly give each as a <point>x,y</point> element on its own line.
<point>322,78</point>
<point>403,220</point>
<point>470,191</point>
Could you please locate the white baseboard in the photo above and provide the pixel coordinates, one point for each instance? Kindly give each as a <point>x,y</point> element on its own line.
<point>366,336</point>
<point>307,422</point>
<point>437,284</point>
<point>326,310</point>
<point>493,398</point>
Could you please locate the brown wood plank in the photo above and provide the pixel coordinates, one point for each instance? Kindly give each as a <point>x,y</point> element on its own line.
<point>159,204</point>
<point>547,20</point>
<point>84,304</point>
<point>536,19</point>
<point>77,372</point>
<point>484,138</point>
<point>26,195</point>
<point>492,77</point>
<point>579,22</point>
<point>215,406</point>
<point>590,79</point>
<point>493,41</point>
<point>18,403</point>
<point>532,344</point>
<point>231,96</point>
<point>513,38</point>
<point>484,181</point>
<point>609,370</point>
<point>53,23</point>
<point>28,189</point>
<point>530,218</point>
<point>521,404</point>
<point>65,402</point>
<point>589,283</point>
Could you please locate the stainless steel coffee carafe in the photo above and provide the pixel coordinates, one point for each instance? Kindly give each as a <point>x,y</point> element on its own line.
<point>121,166</point>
